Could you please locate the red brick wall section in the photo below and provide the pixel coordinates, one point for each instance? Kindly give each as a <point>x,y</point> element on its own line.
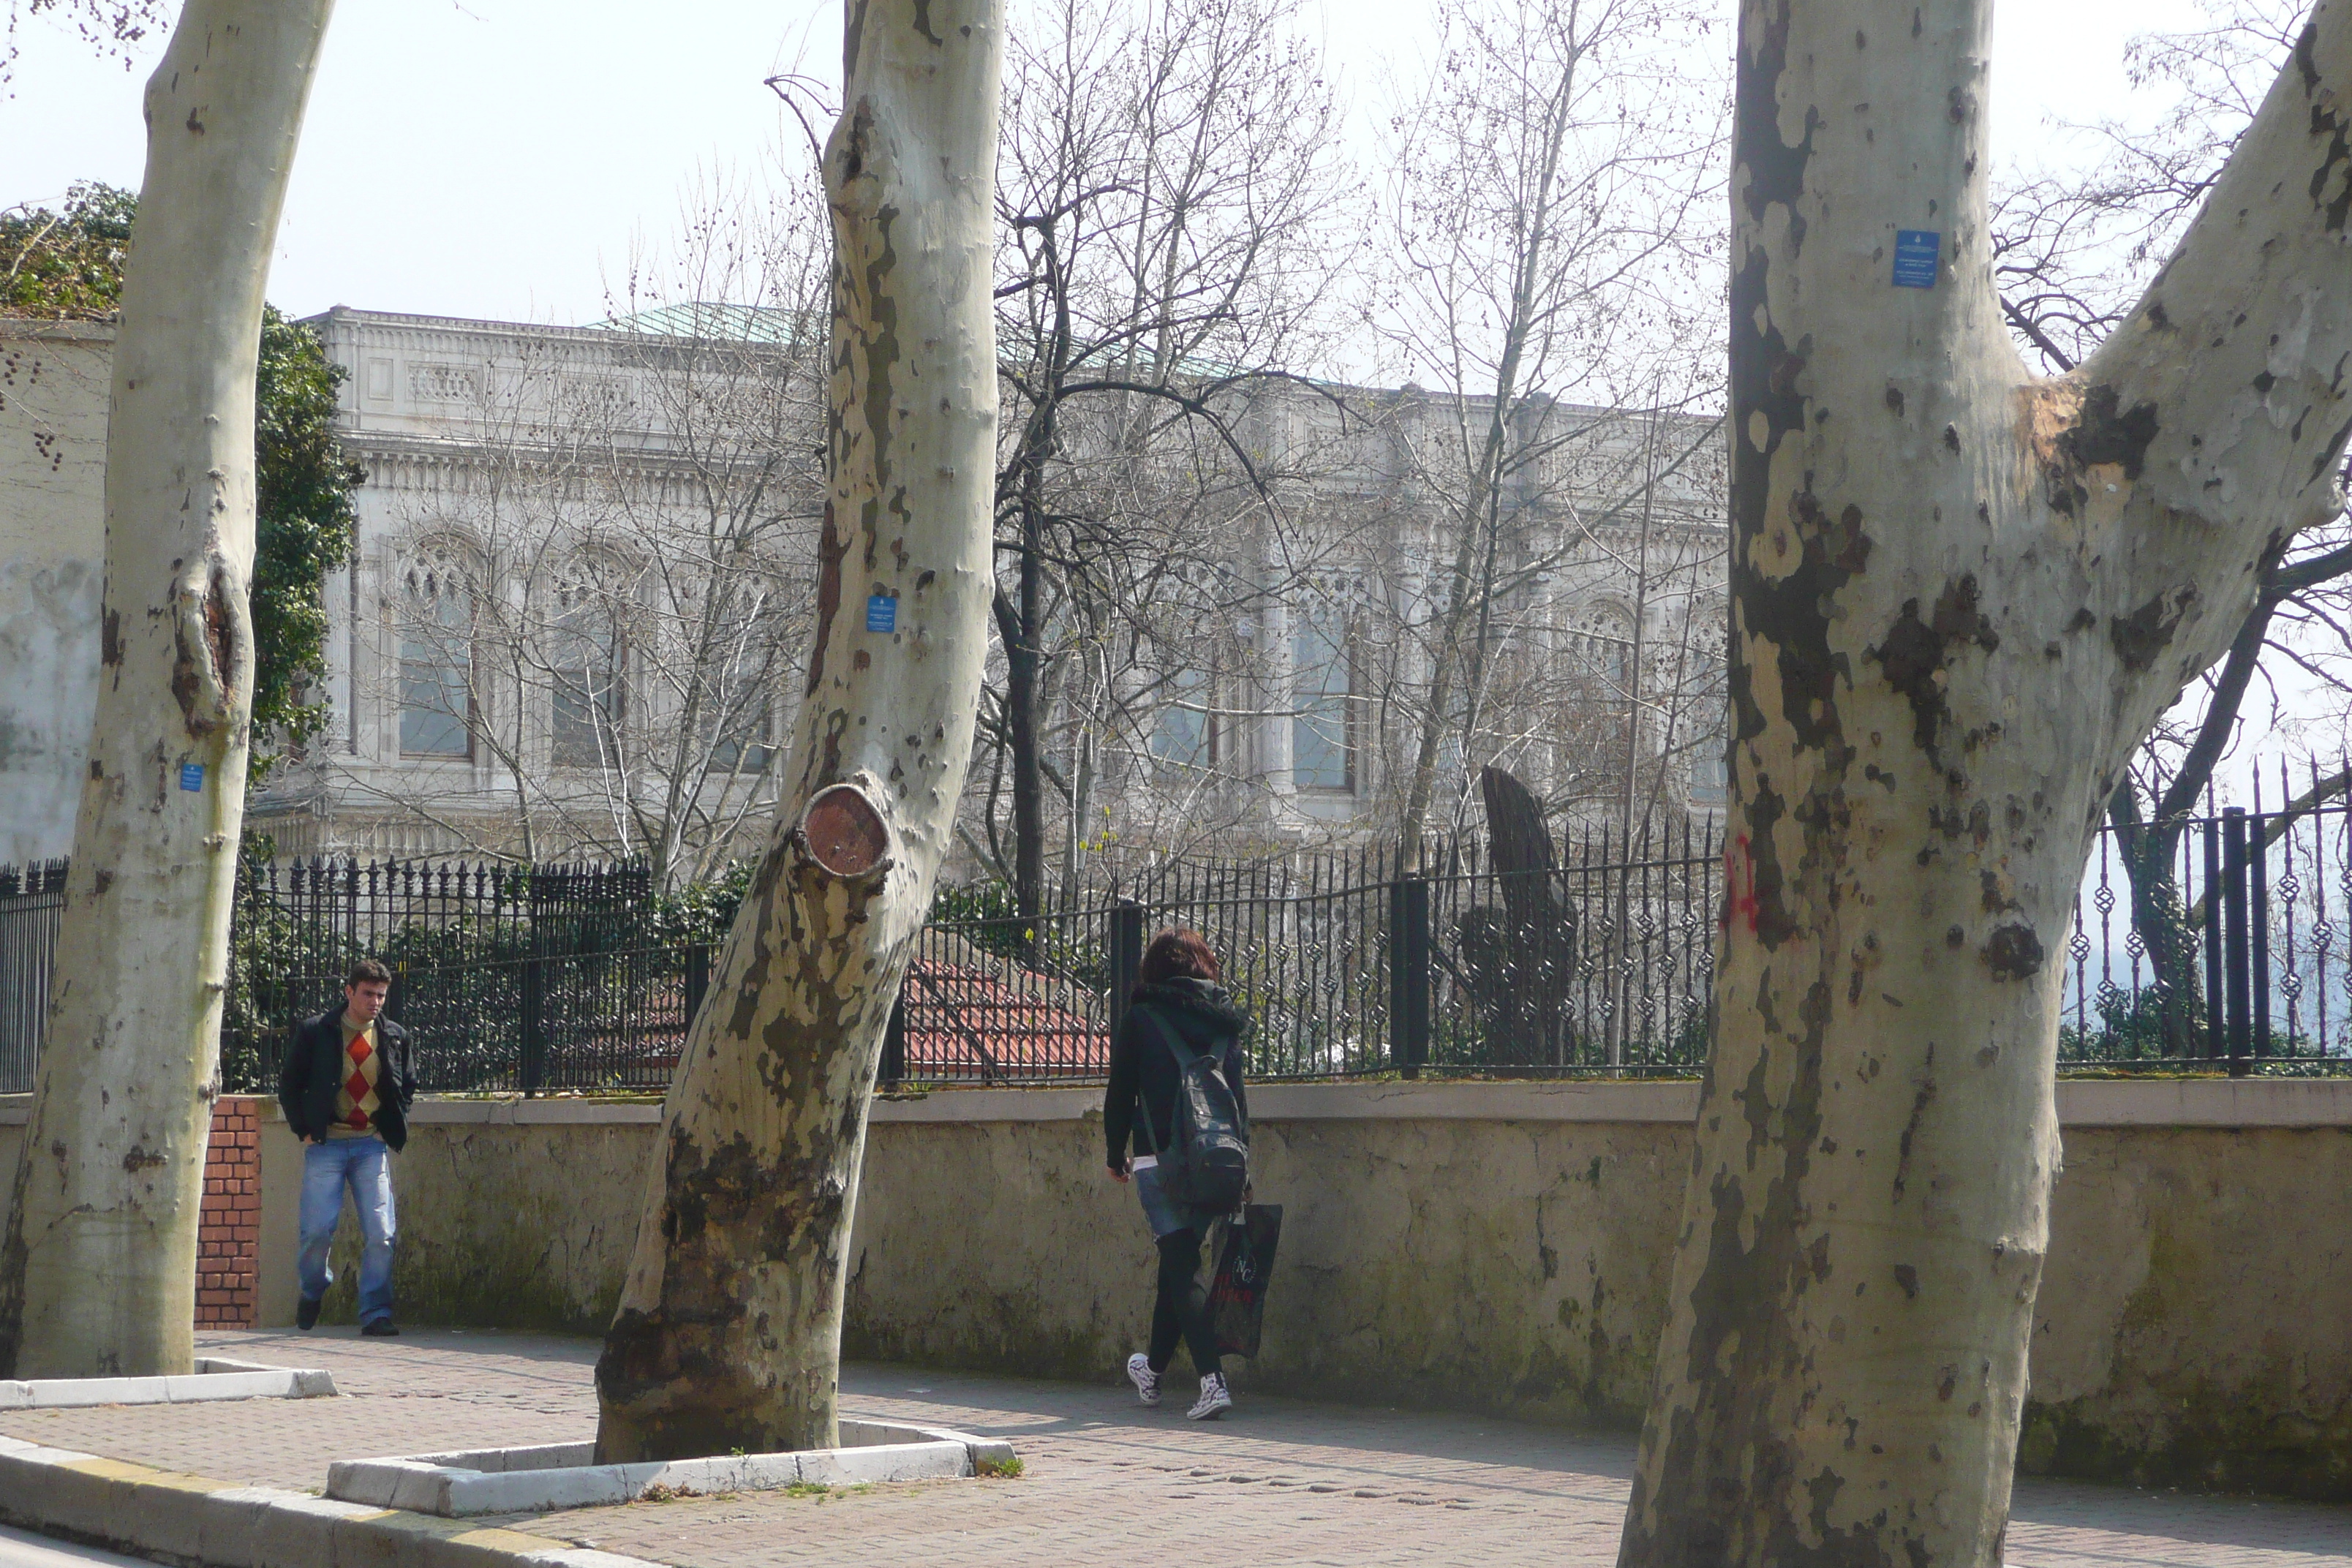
<point>228,1235</point>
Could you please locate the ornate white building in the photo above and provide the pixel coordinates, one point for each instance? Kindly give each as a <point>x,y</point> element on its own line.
<point>580,568</point>
<point>585,562</point>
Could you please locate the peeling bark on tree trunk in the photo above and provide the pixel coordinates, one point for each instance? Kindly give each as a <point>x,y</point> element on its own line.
<point>728,1332</point>
<point>97,1271</point>
<point>1960,597</point>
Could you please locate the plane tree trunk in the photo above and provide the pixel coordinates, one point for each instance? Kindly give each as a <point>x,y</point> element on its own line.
<point>729,1331</point>
<point>97,1268</point>
<point>1960,597</point>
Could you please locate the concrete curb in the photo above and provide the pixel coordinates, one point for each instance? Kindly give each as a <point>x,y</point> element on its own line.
<point>205,1523</point>
<point>214,1378</point>
<point>565,1475</point>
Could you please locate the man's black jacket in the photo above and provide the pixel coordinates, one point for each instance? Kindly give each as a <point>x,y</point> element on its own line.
<point>314,1071</point>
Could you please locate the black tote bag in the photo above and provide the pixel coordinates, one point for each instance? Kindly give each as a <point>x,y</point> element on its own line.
<point>1245,1266</point>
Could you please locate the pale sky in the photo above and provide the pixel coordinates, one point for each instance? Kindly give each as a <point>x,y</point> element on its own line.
<point>496,159</point>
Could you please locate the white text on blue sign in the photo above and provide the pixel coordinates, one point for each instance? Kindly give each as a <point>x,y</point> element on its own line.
<point>1916,253</point>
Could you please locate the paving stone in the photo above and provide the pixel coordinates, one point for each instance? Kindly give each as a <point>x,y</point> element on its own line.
<point>1277,1482</point>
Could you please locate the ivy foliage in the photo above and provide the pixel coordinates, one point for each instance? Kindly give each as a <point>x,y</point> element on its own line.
<point>304,528</point>
<point>68,266</point>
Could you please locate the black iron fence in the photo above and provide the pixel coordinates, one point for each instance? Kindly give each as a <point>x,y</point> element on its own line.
<point>32,899</point>
<point>1347,966</point>
<point>510,977</point>
<point>2217,943</point>
<point>2225,953</point>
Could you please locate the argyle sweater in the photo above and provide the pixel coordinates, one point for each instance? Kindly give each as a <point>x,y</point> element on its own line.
<point>356,1102</point>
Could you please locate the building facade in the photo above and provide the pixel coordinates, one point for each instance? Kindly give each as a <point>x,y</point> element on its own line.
<point>584,571</point>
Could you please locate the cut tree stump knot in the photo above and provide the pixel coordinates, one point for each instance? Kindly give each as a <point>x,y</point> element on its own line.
<point>844,834</point>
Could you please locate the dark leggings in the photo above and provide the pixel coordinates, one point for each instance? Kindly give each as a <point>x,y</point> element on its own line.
<point>1181,1308</point>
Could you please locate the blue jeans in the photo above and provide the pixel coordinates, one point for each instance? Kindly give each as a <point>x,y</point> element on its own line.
<point>365,1166</point>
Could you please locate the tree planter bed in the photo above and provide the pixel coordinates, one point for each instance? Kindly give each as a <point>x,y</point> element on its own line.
<point>213,1378</point>
<point>563,1474</point>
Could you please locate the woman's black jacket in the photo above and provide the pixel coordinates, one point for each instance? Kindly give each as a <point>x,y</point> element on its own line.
<point>1142,1063</point>
<point>314,1070</point>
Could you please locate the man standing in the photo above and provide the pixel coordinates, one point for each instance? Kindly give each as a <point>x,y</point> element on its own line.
<point>346,1088</point>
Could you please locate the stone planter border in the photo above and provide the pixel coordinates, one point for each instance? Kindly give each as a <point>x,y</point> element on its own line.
<point>564,1475</point>
<point>191,1520</point>
<point>214,1378</point>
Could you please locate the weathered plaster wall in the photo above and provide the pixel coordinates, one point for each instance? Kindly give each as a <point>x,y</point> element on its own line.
<point>1511,1266</point>
<point>54,380</point>
<point>512,1214</point>
<point>2194,1326</point>
<point>1499,1248</point>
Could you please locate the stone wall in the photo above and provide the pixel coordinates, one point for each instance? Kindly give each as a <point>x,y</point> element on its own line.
<point>1500,1247</point>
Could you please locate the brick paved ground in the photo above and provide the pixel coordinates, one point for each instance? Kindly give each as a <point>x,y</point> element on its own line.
<point>1278,1482</point>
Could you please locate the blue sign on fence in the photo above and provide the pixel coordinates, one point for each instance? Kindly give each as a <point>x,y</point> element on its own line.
<point>881,613</point>
<point>1916,253</point>
<point>192,775</point>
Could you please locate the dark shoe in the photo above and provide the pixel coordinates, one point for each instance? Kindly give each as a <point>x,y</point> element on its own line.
<point>382,1329</point>
<point>306,1316</point>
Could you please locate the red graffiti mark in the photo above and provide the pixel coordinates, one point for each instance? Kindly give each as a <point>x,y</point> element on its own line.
<point>1739,883</point>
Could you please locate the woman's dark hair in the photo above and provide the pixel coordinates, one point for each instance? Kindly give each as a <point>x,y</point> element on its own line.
<point>365,970</point>
<point>1176,955</point>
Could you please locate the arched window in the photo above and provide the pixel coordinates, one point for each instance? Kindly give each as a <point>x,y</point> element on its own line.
<point>1185,736</point>
<point>1601,651</point>
<point>1710,764</point>
<point>438,711</point>
<point>742,673</point>
<point>1323,709</point>
<point>1189,667</point>
<point>584,666</point>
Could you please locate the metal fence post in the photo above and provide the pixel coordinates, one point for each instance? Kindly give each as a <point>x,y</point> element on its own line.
<point>534,1025</point>
<point>893,1070</point>
<point>1409,946</point>
<point>2217,1034</point>
<point>2259,892</point>
<point>395,1004</point>
<point>2235,938</point>
<point>1125,957</point>
<point>697,981</point>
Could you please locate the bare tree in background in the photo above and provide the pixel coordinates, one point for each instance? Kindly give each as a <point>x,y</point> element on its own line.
<point>1170,216</point>
<point>610,610</point>
<point>2073,251</point>
<point>113,28</point>
<point>1548,210</point>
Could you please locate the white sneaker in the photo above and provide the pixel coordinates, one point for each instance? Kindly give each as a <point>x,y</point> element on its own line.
<point>1145,1381</point>
<point>1214,1400</point>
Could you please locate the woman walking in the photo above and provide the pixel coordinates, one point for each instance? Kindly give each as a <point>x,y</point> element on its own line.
<point>1176,991</point>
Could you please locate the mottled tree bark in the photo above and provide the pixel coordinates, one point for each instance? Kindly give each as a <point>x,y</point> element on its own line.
<point>728,1332</point>
<point>97,1271</point>
<point>1960,597</point>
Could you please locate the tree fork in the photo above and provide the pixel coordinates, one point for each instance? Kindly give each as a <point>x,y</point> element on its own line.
<point>97,1271</point>
<point>729,1331</point>
<point>1960,597</point>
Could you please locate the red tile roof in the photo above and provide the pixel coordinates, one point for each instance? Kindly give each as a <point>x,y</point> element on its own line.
<point>972,1015</point>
